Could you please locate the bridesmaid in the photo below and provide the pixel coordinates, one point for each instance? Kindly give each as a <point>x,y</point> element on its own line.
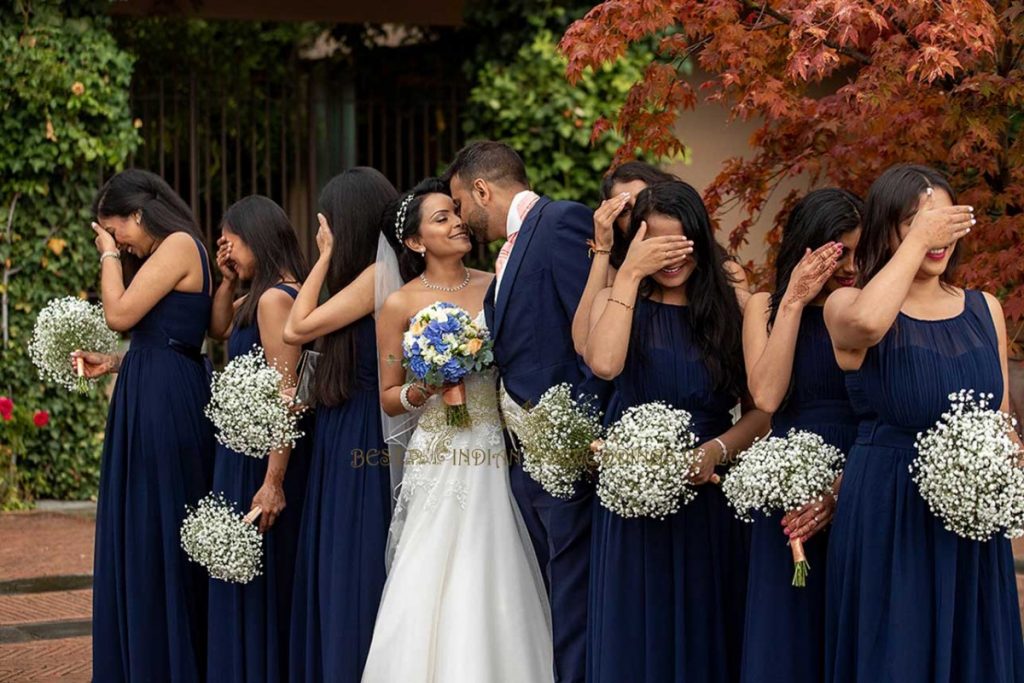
<point>908,600</point>
<point>149,601</point>
<point>339,573</point>
<point>619,190</point>
<point>793,374</point>
<point>666,596</point>
<point>248,624</point>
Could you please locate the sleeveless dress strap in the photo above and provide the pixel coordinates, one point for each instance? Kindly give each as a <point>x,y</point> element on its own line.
<point>287,289</point>
<point>978,307</point>
<point>204,259</point>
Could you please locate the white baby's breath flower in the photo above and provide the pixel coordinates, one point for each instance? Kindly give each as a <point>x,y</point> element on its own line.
<point>247,409</point>
<point>555,437</point>
<point>968,469</point>
<point>780,474</point>
<point>646,461</point>
<point>65,325</point>
<point>216,536</point>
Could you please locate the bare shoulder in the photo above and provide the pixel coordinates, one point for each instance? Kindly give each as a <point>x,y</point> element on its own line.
<point>993,302</point>
<point>484,275</point>
<point>995,307</point>
<point>274,299</point>
<point>178,244</point>
<point>839,300</point>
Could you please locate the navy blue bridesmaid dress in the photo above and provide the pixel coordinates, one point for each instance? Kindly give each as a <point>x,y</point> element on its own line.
<point>667,596</point>
<point>248,624</point>
<point>149,600</point>
<point>785,638</point>
<point>340,572</point>
<point>909,601</point>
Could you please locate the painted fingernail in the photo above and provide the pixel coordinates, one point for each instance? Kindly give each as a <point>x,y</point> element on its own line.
<point>787,532</point>
<point>973,222</point>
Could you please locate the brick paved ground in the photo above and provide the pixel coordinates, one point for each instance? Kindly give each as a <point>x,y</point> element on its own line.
<point>34,614</point>
<point>44,624</point>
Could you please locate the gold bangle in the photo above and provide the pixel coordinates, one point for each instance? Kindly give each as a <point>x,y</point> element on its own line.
<point>628,307</point>
<point>592,249</point>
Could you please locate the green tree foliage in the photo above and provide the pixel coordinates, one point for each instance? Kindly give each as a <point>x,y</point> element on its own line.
<point>528,103</point>
<point>65,120</point>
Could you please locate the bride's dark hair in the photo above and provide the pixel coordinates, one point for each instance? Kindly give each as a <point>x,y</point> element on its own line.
<point>402,219</point>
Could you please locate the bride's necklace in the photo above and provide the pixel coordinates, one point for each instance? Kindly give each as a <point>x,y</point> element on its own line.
<point>430,285</point>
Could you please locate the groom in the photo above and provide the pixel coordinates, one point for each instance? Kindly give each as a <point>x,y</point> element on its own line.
<point>540,274</point>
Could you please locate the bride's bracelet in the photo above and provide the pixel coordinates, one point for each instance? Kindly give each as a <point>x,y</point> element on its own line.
<point>403,396</point>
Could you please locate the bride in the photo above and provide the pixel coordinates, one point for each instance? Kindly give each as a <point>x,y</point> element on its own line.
<point>464,600</point>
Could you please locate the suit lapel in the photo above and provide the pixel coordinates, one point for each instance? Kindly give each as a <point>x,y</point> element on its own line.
<point>508,277</point>
<point>489,306</point>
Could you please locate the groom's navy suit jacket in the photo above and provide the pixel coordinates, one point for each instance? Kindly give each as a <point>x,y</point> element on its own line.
<point>531,320</point>
<point>531,324</point>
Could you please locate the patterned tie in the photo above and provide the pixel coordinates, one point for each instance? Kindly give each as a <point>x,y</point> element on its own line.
<point>506,249</point>
<point>503,254</point>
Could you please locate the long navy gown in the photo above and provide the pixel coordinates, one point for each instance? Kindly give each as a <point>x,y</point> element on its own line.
<point>909,601</point>
<point>248,624</point>
<point>667,596</point>
<point>149,600</point>
<point>339,573</point>
<point>785,639</point>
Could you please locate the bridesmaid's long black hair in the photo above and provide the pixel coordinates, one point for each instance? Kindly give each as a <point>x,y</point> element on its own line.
<point>162,212</point>
<point>266,230</point>
<point>353,203</point>
<point>892,199</point>
<point>410,203</point>
<point>627,173</point>
<point>713,312</point>
<point>822,216</point>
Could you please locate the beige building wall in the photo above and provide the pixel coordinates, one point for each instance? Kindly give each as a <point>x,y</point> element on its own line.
<point>711,139</point>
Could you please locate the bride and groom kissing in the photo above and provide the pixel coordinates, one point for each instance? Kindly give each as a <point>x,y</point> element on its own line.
<point>488,572</point>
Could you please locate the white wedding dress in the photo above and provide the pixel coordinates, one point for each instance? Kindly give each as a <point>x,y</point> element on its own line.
<point>464,600</point>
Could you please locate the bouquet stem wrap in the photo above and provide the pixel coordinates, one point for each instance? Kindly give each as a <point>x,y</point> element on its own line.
<point>454,396</point>
<point>801,567</point>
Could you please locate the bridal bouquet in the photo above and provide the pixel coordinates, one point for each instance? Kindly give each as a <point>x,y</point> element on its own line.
<point>63,326</point>
<point>646,460</point>
<point>968,469</point>
<point>780,474</point>
<point>220,539</point>
<point>556,436</point>
<point>247,409</point>
<point>443,345</point>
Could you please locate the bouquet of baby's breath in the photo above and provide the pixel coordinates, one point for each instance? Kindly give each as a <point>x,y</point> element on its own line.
<point>63,326</point>
<point>645,462</point>
<point>968,469</point>
<point>247,409</point>
<point>217,536</point>
<point>780,474</point>
<point>555,437</point>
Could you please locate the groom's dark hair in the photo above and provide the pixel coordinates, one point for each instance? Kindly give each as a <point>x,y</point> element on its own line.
<point>495,162</point>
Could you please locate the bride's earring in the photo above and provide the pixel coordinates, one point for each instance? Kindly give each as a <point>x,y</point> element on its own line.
<point>423,253</point>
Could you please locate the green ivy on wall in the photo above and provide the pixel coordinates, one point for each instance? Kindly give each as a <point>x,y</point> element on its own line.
<point>65,120</point>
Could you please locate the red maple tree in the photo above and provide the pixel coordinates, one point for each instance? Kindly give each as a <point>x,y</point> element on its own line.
<point>939,82</point>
